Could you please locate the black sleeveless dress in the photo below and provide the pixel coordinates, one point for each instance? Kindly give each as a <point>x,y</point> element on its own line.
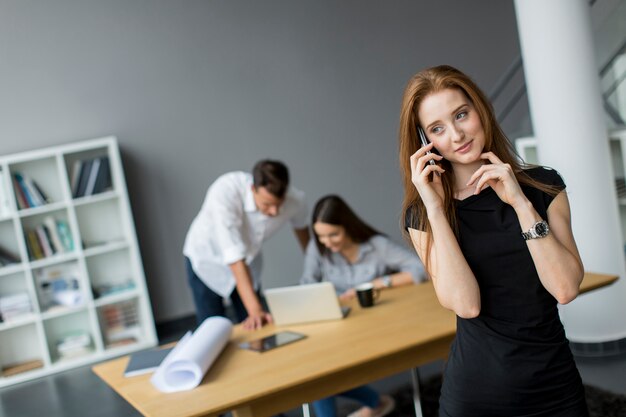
<point>513,359</point>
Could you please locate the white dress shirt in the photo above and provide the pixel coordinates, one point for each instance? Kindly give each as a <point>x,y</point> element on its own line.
<point>229,228</point>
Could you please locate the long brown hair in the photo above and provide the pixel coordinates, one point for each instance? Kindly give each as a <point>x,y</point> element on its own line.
<point>422,84</point>
<point>332,209</point>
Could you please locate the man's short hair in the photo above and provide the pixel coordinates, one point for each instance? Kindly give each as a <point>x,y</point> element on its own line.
<point>273,175</point>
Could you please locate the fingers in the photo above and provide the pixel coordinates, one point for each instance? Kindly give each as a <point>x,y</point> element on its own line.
<point>422,166</point>
<point>257,321</point>
<point>347,295</point>
<point>491,157</point>
<point>504,170</point>
<point>422,157</point>
<point>484,180</point>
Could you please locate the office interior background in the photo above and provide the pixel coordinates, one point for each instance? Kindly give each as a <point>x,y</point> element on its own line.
<point>198,88</point>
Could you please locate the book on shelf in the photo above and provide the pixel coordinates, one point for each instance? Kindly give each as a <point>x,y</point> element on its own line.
<point>52,232</point>
<point>22,203</point>
<point>49,238</point>
<point>14,305</point>
<point>120,323</point>
<point>44,243</point>
<point>93,173</point>
<point>104,290</point>
<point>65,236</point>
<point>83,178</point>
<point>93,177</point>
<point>20,367</point>
<point>7,257</point>
<point>75,176</point>
<point>32,244</point>
<point>74,344</point>
<point>103,179</point>
<point>31,193</point>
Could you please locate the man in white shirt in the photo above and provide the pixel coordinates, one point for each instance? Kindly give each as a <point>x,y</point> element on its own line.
<point>223,244</point>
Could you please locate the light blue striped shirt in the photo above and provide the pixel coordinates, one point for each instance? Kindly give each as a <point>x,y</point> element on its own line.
<point>378,256</point>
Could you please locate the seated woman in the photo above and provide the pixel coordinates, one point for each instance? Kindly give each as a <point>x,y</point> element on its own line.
<point>347,252</point>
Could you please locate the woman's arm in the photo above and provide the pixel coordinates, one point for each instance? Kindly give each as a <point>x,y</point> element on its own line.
<point>454,281</point>
<point>398,258</point>
<point>398,279</point>
<point>555,256</point>
<point>312,270</point>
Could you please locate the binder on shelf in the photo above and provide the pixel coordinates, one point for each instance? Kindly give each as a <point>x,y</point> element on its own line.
<point>103,178</point>
<point>53,234</point>
<point>93,173</point>
<point>75,176</point>
<point>91,176</point>
<point>85,170</point>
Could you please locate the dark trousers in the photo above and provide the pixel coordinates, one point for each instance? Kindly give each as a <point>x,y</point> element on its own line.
<point>209,303</point>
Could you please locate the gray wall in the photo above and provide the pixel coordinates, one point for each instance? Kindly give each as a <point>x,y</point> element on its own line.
<point>193,89</point>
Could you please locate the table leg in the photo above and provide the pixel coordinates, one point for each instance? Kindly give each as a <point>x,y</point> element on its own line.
<point>306,411</point>
<point>415,381</point>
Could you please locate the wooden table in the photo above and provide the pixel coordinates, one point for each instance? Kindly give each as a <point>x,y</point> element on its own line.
<point>407,328</point>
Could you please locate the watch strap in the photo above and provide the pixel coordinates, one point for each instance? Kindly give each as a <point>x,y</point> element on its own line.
<point>532,233</point>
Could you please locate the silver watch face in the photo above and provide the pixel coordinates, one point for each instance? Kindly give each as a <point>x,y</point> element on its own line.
<point>541,229</point>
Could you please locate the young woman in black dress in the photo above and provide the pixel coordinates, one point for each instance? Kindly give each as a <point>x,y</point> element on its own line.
<point>495,237</point>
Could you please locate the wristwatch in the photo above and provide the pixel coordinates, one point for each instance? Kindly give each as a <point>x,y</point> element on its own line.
<point>537,230</point>
<point>387,281</point>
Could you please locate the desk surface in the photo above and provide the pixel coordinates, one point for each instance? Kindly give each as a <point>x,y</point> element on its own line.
<point>407,328</point>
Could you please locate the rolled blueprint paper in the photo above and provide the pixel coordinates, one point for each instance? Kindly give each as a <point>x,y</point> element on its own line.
<point>185,366</point>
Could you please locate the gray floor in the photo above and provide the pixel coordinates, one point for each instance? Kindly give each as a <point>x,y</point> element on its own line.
<point>80,393</point>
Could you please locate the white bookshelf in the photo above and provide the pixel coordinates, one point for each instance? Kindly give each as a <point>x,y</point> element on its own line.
<point>91,285</point>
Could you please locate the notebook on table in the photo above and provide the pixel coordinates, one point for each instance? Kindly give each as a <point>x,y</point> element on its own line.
<point>145,361</point>
<point>304,303</point>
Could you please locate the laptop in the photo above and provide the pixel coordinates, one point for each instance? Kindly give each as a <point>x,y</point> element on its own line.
<point>304,303</point>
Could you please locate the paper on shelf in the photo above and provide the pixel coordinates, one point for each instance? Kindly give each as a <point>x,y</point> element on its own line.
<point>185,366</point>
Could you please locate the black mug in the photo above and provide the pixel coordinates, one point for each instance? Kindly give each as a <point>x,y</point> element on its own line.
<point>367,294</point>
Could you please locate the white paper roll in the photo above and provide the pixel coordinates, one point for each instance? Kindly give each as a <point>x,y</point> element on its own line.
<point>185,366</point>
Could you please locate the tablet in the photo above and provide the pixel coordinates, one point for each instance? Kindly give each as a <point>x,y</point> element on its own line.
<point>272,341</point>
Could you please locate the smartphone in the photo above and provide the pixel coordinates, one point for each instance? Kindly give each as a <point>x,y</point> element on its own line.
<point>272,341</point>
<point>425,143</point>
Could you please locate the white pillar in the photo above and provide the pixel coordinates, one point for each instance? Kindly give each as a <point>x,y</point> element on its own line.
<point>567,114</point>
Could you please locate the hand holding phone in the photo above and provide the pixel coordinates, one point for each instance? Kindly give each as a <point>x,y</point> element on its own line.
<point>425,143</point>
